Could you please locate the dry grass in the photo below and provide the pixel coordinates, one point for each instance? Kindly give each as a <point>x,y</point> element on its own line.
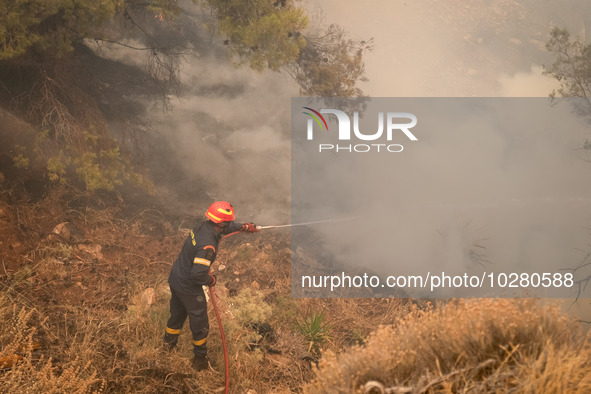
<point>120,340</point>
<point>479,345</point>
<point>24,370</point>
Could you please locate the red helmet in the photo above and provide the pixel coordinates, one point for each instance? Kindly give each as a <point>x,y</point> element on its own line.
<point>220,211</point>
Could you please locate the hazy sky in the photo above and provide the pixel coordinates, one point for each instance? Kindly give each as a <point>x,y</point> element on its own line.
<point>455,47</point>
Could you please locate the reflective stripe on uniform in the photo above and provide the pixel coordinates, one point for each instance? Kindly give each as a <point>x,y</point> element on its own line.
<point>201,261</point>
<point>173,331</point>
<point>200,342</point>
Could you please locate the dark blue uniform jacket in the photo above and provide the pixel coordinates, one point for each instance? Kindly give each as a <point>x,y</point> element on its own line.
<point>190,270</point>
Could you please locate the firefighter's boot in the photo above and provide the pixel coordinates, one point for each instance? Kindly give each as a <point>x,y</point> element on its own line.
<point>200,363</point>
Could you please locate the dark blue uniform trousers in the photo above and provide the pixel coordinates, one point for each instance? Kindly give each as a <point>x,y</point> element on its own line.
<point>194,306</point>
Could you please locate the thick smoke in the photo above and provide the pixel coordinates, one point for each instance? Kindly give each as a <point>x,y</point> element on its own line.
<point>530,83</point>
<point>225,138</point>
<point>231,132</point>
<point>491,183</point>
<point>471,48</point>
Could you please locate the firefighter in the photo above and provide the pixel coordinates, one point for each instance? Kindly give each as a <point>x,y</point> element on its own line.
<point>190,272</point>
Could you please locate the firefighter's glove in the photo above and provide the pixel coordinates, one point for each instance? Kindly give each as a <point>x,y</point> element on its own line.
<point>212,281</point>
<point>250,227</point>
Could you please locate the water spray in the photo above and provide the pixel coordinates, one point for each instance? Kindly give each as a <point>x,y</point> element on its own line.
<point>307,223</point>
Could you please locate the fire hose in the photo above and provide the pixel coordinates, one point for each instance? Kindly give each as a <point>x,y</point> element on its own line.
<point>221,327</point>
<point>219,319</point>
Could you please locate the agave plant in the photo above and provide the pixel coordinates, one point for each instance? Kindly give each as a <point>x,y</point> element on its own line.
<point>315,329</point>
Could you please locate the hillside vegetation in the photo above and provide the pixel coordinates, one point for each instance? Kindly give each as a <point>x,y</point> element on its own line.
<point>85,300</point>
<point>85,308</point>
